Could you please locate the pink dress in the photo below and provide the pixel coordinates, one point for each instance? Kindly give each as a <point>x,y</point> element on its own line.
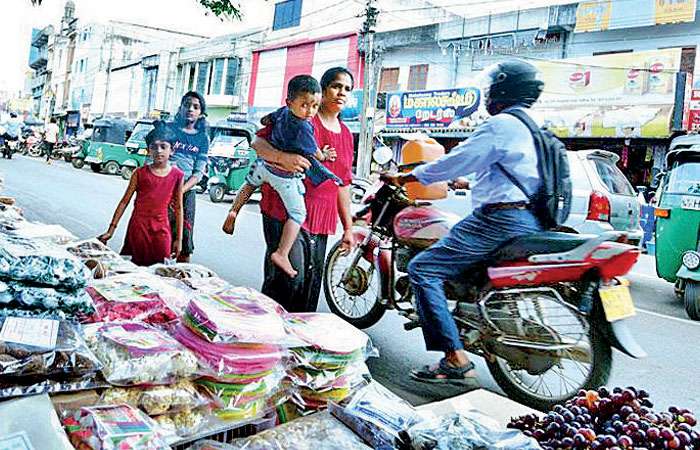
<point>148,238</point>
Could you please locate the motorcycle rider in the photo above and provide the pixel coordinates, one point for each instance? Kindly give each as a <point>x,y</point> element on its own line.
<point>501,210</point>
<point>13,129</point>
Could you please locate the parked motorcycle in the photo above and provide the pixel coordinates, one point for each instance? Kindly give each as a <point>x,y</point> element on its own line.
<point>358,189</point>
<point>9,147</point>
<point>544,311</point>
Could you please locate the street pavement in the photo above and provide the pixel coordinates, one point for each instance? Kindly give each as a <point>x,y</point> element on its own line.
<point>84,202</point>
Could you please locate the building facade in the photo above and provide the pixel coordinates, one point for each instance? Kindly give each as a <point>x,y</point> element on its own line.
<point>39,63</point>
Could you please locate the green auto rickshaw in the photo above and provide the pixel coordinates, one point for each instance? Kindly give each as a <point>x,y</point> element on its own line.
<point>136,148</point>
<point>677,232</point>
<point>106,149</point>
<point>230,158</point>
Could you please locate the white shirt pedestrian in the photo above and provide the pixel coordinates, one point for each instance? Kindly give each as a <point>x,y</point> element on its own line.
<point>51,133</point>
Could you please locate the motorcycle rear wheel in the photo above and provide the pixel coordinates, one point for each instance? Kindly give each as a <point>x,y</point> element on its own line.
<point>601,354</point>
<point>373,310</point>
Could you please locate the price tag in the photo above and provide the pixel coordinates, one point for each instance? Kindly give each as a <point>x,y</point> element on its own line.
<point>617,302</point>
<point>32,332</point>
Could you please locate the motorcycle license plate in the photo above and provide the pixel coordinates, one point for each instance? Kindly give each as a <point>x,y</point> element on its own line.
<point>617,302</point>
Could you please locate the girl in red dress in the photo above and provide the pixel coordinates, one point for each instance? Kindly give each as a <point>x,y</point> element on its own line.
<point>149,238</point>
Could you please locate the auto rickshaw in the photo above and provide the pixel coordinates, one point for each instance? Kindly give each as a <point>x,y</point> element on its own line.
<point>230,156</point>
<point>137,150</point>
<point>677,232</point>
<point>106,148</point>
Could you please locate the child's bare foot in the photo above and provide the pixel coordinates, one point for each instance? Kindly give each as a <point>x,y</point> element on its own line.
<point>230,222</point>
<point>283,263</point>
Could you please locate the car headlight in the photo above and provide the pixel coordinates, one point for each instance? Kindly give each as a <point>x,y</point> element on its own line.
<point>691,260</point>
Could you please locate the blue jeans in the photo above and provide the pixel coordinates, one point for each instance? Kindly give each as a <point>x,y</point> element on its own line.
<point>472,240</point>
<point>290,189</point>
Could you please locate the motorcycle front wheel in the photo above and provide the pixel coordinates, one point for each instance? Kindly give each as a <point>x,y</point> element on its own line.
<point>355,299</point>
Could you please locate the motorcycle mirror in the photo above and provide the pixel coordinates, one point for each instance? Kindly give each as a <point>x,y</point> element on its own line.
<point>382,155</point>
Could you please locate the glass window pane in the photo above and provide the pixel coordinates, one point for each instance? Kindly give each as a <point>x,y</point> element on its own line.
<point>231,76</point>
<point>218,76</point>
<point>613,179</point>
<point>202,77</point>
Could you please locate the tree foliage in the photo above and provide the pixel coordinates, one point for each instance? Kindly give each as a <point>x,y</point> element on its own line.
<point>220,8</point>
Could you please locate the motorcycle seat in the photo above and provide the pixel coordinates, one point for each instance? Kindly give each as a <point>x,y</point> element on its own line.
<point>539,244</point>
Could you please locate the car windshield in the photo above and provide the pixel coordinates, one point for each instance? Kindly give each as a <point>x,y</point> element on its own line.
<point>612,178</point>
<point>140,132</point>
<point>684,178</point>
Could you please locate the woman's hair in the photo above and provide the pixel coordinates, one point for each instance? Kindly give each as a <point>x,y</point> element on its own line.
<point>161,132</point>
<point>331,74</point>
<point>180,119</point>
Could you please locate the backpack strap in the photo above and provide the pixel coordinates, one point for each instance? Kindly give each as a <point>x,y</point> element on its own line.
<point>514,180</point>
<point>537,137</point>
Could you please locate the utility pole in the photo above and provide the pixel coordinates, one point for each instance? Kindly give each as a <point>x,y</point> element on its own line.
<point>110,36</point>
<point>364,150</point>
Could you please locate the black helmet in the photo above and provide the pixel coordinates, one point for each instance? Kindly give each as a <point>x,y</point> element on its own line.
<point>512,82</point>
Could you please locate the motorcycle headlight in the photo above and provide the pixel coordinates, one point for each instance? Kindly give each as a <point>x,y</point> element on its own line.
<point>691,260</point>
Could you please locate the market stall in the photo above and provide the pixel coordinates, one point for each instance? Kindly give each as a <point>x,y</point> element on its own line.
<point>97,353</point>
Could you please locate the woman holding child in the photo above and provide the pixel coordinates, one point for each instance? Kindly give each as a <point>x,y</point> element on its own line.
<point>325,203</point>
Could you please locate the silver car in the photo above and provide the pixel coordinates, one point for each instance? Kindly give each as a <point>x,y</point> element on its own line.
<point>603,199</point>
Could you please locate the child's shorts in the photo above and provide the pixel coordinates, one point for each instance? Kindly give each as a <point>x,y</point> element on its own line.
<point>290,189</point>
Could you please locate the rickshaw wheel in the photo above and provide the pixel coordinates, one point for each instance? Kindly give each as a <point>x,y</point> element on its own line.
<point>67,158</point>
<point>127,172</point>
<point>112,168</point>
<point>97,168</point>
<point>78,163</point>
<point>691,298</point>
<point>216,193</point>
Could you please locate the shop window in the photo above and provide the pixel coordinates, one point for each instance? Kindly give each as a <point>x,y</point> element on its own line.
<point>202,78</point>
<point>287,14</point>
<point>389,80</point>
<point>231,76</point>
<point>418,77</point>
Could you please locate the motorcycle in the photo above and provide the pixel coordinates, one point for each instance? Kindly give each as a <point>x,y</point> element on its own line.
<point>32,146</point>
<point>358,189</point>
<point>9,147</point>
<point>544,310</point>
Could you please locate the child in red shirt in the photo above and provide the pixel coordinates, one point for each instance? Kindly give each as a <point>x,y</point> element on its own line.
<point>149,238</point>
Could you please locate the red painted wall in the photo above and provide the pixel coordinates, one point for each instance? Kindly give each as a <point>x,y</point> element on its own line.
<point>300,61</point>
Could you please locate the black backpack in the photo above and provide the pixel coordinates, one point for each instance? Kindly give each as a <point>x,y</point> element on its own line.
<point>551,203</point>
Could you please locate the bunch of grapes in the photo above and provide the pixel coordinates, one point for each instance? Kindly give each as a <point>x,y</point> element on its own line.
<point>618,420</point>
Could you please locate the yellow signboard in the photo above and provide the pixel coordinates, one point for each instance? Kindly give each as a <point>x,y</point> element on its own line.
<point>673,11</point>
<point>617,95</point>
<point>604,15</point>
<point>593,16</point>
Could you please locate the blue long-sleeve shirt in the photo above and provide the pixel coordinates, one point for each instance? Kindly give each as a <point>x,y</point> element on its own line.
<point>190,153</point>
<point>503,138</point>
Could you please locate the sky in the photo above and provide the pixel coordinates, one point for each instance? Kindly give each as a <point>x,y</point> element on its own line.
<point>19,17</point>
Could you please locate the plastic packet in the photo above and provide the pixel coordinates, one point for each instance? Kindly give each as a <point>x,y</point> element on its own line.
<point>314,432</point>
<point>17,388</point>
<point>34,230</point>
<point>76,303</point>
<point>114,427</point>
<point>183,423</point>
<point>43,347</point>
<point>471,430</point>
<point>244,400</point>
<point>348,377</point>
<point>31,423</point>
<point>181,271</point>
<point>138,296</point>
<point>40,262</point>
<point>36,314</point>
<point>330,342</point>
<point>232,362</point>
<point>135,353</point>
<point>99,258</point>
<point>231,318</point>
<point>157,400</point>
<point>211,285</point>
<point>376,414</point>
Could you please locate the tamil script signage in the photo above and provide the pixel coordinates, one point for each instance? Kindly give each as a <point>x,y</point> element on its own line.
<point>431,109</point>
